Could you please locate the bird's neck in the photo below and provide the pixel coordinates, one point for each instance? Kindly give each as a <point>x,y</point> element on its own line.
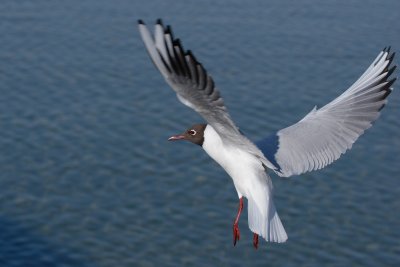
<point>213,144</point>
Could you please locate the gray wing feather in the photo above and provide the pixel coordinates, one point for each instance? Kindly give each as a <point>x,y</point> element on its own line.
<point>188,78</point>
<point>323,135</point>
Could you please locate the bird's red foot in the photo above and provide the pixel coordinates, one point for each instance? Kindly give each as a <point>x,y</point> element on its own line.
<point>236,233</point>
<point>255,240</point>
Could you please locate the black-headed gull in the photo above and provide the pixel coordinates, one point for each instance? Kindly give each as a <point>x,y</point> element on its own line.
<point>310,144</point>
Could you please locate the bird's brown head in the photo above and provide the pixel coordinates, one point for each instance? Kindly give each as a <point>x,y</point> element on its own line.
<point>194,134</point>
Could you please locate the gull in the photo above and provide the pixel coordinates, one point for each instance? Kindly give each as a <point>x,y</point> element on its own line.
<point>314,142</point>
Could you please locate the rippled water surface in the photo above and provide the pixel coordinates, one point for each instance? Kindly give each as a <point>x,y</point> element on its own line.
<point>88,179</point>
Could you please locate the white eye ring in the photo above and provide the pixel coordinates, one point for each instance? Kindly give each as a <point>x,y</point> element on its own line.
<point>192,132</point>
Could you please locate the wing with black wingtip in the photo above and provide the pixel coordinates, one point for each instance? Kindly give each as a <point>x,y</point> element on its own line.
<point>324,134</point>
<point>188,78</point>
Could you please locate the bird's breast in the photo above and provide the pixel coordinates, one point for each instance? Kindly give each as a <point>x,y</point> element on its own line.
<point>239,164</point>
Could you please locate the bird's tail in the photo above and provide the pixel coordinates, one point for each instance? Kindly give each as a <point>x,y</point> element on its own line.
<point>266,222</point>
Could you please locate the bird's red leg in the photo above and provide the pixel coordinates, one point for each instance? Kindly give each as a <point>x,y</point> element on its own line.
<point>236,232</point>
<point>255,240</point>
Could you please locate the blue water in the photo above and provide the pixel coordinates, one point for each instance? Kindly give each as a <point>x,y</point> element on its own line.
<point>87,177</point>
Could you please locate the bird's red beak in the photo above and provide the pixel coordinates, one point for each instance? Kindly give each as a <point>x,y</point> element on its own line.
<point>176,137</point>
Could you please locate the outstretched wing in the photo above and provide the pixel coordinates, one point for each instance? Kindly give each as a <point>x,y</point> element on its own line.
<point>188,78</point>
<point>324,134</point>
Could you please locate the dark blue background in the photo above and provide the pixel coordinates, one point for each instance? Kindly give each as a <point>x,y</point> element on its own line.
<point>87,177</point>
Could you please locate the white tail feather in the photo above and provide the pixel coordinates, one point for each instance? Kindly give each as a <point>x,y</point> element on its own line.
<point>266,223</point>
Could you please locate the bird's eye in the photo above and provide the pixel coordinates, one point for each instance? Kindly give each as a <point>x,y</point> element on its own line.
<point>192,132</point>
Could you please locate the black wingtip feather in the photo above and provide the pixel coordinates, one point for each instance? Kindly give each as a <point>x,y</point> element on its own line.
<point>159,21</point>
<point>185,66</point>
<point>381,56</point>
<point>390,83</point>
<point>177,42</point>
<point>387,88</point>
<point>189,52</point>
<point>140,22</point>
<point>391,70</point>
<point>390,57</point>
<point>180,61</point>
<point>166,65</point>
<point>168,30</point>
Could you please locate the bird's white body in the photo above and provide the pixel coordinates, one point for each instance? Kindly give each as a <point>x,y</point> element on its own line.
<point>239,164</point>
<point>251,181</point>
